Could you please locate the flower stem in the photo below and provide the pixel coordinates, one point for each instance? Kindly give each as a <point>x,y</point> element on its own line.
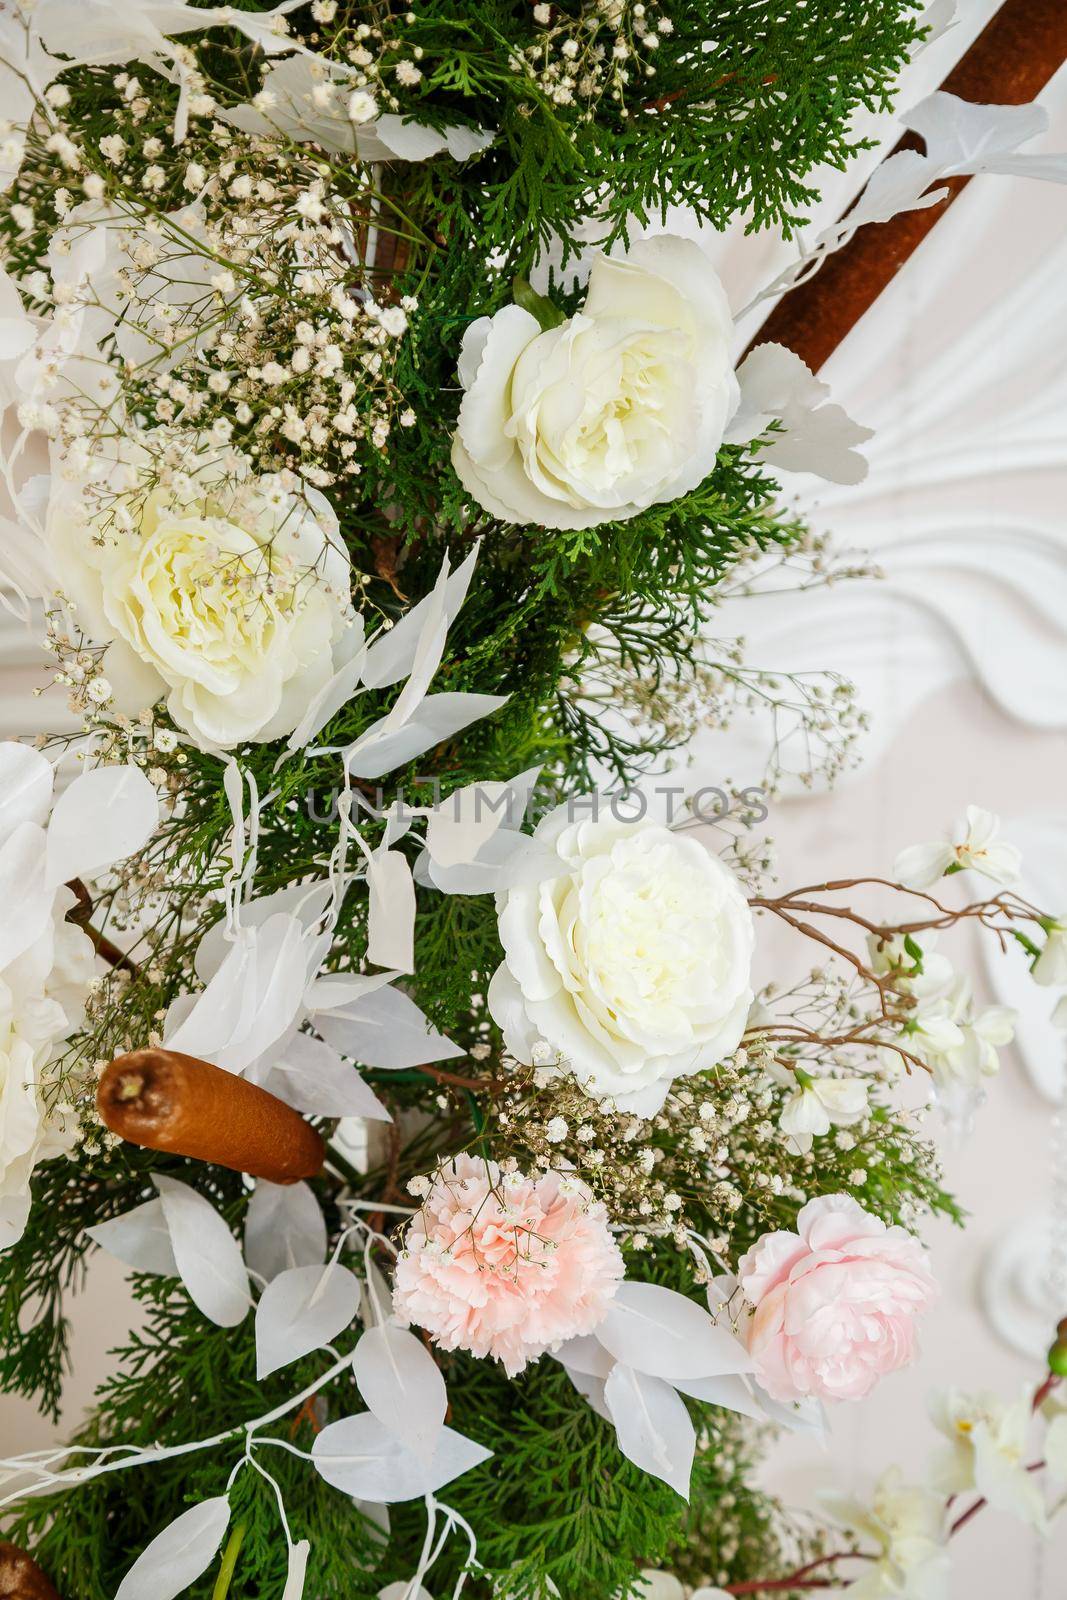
<point>229,1562</point>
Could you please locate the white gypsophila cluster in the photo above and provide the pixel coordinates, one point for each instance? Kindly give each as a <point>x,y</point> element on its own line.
<point>607,51</point>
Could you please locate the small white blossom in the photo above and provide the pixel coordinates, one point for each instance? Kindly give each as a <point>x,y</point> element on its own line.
<point>921,865</point>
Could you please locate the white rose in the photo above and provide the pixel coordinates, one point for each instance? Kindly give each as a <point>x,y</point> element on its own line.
<point>229,598</point>
<point>619,408</point>
<point>632,963</point>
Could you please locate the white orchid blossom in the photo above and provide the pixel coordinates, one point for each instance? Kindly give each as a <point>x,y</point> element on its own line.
<point>987,1452</point>
<point>818,1104</point>
<point>977,847</point>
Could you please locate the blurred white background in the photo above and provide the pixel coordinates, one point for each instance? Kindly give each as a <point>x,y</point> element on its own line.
<point>960,654</point>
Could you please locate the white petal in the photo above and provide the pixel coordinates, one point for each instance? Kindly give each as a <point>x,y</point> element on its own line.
<point>179,1555</point>
<point>921,865</point>
<point>301,1310</point>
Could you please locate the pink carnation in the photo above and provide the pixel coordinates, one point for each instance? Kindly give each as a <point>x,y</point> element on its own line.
<point>504,1265</point>
<point>835,1302</point>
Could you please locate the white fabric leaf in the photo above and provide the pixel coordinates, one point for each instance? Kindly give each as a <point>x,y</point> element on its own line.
<point>402,1385</point>
<point>206,1253</point>
<point>300,1311</point>
<point>385,1029</point>
<point>414,141</point>
<point>284,1227</point>
<point>179,1555</point>
<point>304,901</point>
<point>25,786</point>
<point>140,1238</point>
<point>653,1427</point>
<point>391,655</point>
<point>298,1566</point>
<point>335,693</point>
<point>26,901</point>
<point>391,915</point>
<point>361,1457</point>
<point>899,184</point>
<point>585,1354</point>
<point>507,860</point>
<point>962,137</point>
<point>731,1392</point>
<point>386,746</point>
<point>660,1332</point>
<point>253,999</point>
<point>311,1077</point>
<point>105,815</point>
<point>335,990</point>
<point>404,1591</point>
<point>591,1389</point>
<point>813,436</point>
<point>458,828</point>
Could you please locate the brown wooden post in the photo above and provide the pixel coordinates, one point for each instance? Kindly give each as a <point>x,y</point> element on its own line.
<point>1009,63</point>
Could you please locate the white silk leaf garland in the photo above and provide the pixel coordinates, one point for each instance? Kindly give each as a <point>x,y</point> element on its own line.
<point>402,1386</point>
<point>139,1239</point>
<point>301,1310</point>
<point>182,1235</point>
<point>311,1077</point>
<point>812,435</point>
<point>206,1253</point>
<point>361,1457</point>
<point>385,1029</point>
<point>663,1334</point>
<point>297,1573</point>
<point>105,814</point>
<point>389,743</point>
<point>404,1591</point>
<point>652,1425</point>
<point>253,998</point>
<point>651,1343</point>
<point>962,139</point>
<point>179,1555</point>
<point>26,781</point>
<point>284,1227</point>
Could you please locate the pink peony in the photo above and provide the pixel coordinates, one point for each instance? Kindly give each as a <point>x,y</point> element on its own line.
<point>504,1265</point>
<point>835,1302</point>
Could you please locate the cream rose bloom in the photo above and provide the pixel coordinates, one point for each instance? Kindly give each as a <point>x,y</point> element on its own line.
<point>620,408</point>
<point>228,598</point>
<point>629,966</point>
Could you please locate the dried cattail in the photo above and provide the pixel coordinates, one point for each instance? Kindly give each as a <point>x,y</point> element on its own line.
<point>168,1101</point>
<point>20,1576</point>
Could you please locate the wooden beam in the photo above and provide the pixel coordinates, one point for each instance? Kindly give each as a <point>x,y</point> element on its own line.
<point>1009,63</point>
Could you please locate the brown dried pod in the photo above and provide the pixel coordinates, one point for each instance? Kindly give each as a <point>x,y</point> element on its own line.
<point>20,1576</point>
<point>168,1101</point>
